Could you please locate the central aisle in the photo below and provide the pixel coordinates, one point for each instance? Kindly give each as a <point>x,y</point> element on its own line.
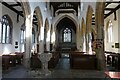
<point>63,63</point>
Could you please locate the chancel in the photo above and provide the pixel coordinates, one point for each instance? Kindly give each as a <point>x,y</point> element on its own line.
<point>60,39</point>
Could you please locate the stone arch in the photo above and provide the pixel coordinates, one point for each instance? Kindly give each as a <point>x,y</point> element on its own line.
<point>46,29</point>
<point>39,18</point>
<point>39,15</point>
<point>94,32</point>
<point>82,35</point>
<point>39,24</point>
<point>88,29</point>
<point>26,7</point>
<point>46,24</point>
<point>73,20</point>
<point>89,19</point>
<point>83,27</point>
<point>62,17</point>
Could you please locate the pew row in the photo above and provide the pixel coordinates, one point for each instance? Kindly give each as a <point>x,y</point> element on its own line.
<point>11,60</point>
<point>83,61</point>
<point>113,59</point>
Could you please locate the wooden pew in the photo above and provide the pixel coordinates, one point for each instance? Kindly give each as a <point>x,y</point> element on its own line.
<point>35,63</point>
<point>54,60</point>
<point>5,62</point>
<point>83,61</point>
<point>12,59</point>
<point>19,57</point>
<point>113,59</point>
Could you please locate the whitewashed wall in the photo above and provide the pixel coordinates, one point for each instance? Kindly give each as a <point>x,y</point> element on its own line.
<point>119,29</point>
<point>10,48</point>
<point>108,45</point>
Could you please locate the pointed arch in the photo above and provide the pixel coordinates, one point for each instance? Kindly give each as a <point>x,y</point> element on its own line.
<point>46,24</point>
<point>46,34</point>
<point>39,18</point>
<point>89,19</point>
<point>6,28</point>
<point>26,7</point>
<point>83,27</point>
<point>62,17</point>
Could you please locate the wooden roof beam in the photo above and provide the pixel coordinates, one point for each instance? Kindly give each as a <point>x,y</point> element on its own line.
<point>115,9</point>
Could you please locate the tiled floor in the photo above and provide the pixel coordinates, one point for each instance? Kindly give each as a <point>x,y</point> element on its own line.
<point>62,70</point>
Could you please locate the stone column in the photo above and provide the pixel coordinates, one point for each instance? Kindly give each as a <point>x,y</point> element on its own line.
<point>83,38</point>
<point>100,35</point>
<point>78,38</point>
<point>48,41</point>
<point>28,41</point>
<point>86,42</point>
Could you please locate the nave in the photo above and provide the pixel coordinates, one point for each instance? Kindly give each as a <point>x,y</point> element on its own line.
<point>72,39</point>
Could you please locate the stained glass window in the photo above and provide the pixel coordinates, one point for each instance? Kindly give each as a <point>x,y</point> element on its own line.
<point>67,35</point>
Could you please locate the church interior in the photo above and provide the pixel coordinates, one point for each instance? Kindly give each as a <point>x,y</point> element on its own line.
<point>60,39</point>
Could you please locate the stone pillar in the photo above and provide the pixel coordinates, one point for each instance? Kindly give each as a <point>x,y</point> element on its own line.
<point>78,38</point>
<point>48,41</point>
<point>100,35</point>
<point>86,42</point>
<point>28,41</point>
<point>88,30</point>
<point>81,41</point>
<point>83,38</point>
<point>41,46</point>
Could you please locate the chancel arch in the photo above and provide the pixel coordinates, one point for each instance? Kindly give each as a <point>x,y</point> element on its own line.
<point>66,30</point>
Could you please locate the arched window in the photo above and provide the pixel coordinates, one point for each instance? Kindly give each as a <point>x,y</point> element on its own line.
<point>110,32</point>
<point>67,35</point>
<point>5,30</point>
<point>22,36</point>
